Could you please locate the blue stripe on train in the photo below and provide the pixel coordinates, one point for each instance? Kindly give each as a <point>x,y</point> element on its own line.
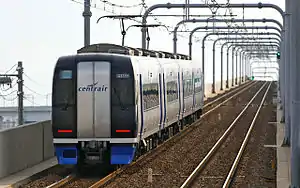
<point>160,98</point>
<point>178,75</point>
<point>142,106</point>
<point>183,104</point>
<point>165,106</point>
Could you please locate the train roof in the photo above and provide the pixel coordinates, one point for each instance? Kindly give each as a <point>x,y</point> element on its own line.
<point>126,50</point>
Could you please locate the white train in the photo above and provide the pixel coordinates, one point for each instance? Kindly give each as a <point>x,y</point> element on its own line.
<point>112,103</point>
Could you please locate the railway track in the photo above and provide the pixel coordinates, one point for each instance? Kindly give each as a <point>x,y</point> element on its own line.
<point>219,166</point>
<point>138,172</point>
<point>72,180</point>
<point>257,167</point>
<point>44,178</point>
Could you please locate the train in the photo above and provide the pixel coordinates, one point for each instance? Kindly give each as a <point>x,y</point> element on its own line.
<point>111,103</point>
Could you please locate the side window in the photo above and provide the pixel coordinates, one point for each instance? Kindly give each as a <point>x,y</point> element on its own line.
<point>198,81</point>
<point>188,87</point>
<point>197,85</point>
<point>150,95</point>
<point>172,91</point>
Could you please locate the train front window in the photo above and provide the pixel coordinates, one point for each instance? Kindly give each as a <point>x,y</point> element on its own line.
<point>122,90</point>
<point>63,88</point>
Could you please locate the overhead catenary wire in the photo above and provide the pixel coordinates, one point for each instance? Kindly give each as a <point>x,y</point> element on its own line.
<point>32,80</point>
<point>11,69</point>
<point>4,95</point>
<point>12,99</point>
<point>32,102</point>
<point>121,6</point>
<point>34,91</point>
<point>95,6</point>
<point>143,5</point>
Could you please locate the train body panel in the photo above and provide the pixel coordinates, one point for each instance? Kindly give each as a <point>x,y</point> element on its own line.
<point>148,71</point>
<point>109,104</point>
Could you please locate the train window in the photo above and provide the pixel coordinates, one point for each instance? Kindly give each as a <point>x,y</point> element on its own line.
<point>63,88</point>
<point>188,87</point>
<point>65,74</point>
<point>197,85</point>
<point>172,91</point>
<point>150,95</point>
<point>122,90</point>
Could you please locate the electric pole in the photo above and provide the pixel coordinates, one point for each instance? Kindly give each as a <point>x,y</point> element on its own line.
<point>87,25</point>
<point>5,79</point>
<point>20,93</point>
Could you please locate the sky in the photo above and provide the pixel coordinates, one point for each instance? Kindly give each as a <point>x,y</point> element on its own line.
<point>38,32</point>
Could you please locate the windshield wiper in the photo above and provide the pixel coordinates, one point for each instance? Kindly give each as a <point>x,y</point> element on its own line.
<point>119,99</point>
<point>63,104</point>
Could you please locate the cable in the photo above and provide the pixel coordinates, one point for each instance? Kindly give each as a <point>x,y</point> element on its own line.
<point>8,93</point>
<point>34,91</point>
<point>10,68</point>
<point>103,9</point>
<point>32,102</point>
<point>4,96</point>
<point>143,4</point>
<point>32,80</point>
<point>9,99</point>
<point>120,6</point>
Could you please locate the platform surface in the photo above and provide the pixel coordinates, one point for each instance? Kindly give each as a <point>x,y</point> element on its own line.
<point>19,176</point>
<point>283,155</point>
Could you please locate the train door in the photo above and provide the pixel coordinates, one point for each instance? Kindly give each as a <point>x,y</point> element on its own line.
<point>93,99</point>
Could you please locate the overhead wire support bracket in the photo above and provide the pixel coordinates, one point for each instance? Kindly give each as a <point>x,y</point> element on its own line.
<point>125,16</point>
<point>142,26</point>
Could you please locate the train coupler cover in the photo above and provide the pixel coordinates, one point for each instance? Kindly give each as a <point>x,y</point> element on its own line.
<point>66,155</point>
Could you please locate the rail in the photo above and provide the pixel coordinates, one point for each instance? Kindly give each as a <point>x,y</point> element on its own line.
<point>206,159</point>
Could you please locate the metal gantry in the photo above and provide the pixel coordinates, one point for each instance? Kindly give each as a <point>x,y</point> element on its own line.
<point>169,6</point>
<point>242,43</point>
<point>221,21</point>
<point>234,40</point>
<point>226,34</point>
